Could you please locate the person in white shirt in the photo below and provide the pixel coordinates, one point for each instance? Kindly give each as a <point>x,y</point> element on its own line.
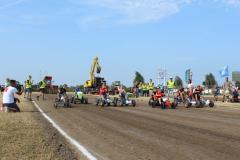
<point>9,97</point>
<point>190,88</point>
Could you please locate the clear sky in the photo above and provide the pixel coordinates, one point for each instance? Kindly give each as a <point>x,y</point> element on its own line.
<point>61,38</point>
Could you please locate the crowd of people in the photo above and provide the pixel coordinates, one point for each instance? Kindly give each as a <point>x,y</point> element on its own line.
<point>11,89</point>
<point>147,89</point>
<point>229,92</point>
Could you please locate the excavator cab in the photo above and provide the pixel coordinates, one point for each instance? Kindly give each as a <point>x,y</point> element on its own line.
<point>95,82</point>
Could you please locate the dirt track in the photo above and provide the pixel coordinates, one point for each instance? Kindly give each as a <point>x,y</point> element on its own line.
<point>143,133</point>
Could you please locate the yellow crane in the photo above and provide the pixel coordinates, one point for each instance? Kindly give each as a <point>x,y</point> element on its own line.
<point>95,67</point>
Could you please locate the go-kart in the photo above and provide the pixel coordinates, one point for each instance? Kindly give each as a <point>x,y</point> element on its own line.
<point>199,103</point>
<point>179,100</point>
<point>63,101</point>
<point>124,100</point>
<point>105,100</point>
<point>79,98</point>
<point>164,103</point>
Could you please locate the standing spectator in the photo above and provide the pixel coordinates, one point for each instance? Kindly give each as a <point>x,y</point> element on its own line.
<point>24,89</point>
<point>42,89</point>
<point>170,86</point>
<point>136,89</point>
<point>151,87</point>
<point>140,87</point>
<point>227,89</point>
<point>29,84</point>
<point>190,88</point>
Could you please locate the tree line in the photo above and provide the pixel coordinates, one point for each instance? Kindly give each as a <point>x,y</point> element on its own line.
<point>209,82</point>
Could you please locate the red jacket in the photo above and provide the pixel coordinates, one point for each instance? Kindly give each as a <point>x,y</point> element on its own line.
<point>103,91</point>
<point>159,95</point>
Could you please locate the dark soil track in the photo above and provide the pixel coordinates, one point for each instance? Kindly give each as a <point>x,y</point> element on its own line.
<point>143,133</point>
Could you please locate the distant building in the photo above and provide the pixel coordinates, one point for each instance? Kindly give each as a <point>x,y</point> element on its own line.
<point>236,76</point>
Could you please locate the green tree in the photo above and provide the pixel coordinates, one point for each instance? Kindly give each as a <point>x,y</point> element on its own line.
<point>178,82</point>
<point>210,81</point>
<point>138,78</point>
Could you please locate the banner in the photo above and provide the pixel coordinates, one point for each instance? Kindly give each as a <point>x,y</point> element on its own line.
<point>224,72</point>
<point>187,75</point>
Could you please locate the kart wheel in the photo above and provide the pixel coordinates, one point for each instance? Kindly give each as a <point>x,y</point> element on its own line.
<point>174,105</point>
<point>97,102</point>
<point>163,106</point>
<point>102,103</point>
<point>115,101</point>
<point>200,104</point>
<point>72,100</point>
<point>154,104</point>
<point>75,101</point>
<point>150,102</point>
<point>121,103</point>
<point>211,104</point>
<point>82,101</point>
<point>188,104</point>
<point>86,101</point>
<point>134,103</point>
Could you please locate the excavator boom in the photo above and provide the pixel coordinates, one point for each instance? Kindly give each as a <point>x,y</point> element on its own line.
<point>95,68</point>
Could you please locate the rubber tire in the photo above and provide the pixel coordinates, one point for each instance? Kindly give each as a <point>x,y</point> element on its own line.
<point>134,103</point>
<point>211,104</point>
<point>115,102</point>
<point>97,102</point>
<point>188,104</point>
<point>154,104</point>
<point>150,102</point>
<point>86,100</point>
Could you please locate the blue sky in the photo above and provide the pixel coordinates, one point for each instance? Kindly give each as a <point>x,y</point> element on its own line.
<point>61,38</point>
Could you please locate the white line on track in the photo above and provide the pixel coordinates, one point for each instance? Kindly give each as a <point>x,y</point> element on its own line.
<point>75,143</point>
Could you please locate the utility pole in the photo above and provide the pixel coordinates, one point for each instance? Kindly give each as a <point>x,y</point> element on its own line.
<point>162,76</point>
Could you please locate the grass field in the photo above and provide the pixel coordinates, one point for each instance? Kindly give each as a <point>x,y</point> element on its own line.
<point>22,137</point>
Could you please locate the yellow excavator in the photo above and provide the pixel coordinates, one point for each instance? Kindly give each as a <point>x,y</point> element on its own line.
<point>93,85</point>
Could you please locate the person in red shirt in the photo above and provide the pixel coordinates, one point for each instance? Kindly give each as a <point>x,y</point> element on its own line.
<point>159,95</point>
<point>103,91</point>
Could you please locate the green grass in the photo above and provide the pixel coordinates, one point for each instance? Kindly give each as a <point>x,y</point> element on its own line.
<point>22,138</point>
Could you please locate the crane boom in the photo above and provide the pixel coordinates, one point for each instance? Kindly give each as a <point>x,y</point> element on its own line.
<point>95,66</point>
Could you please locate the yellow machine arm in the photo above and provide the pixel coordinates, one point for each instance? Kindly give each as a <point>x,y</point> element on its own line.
<point>95,67</point>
